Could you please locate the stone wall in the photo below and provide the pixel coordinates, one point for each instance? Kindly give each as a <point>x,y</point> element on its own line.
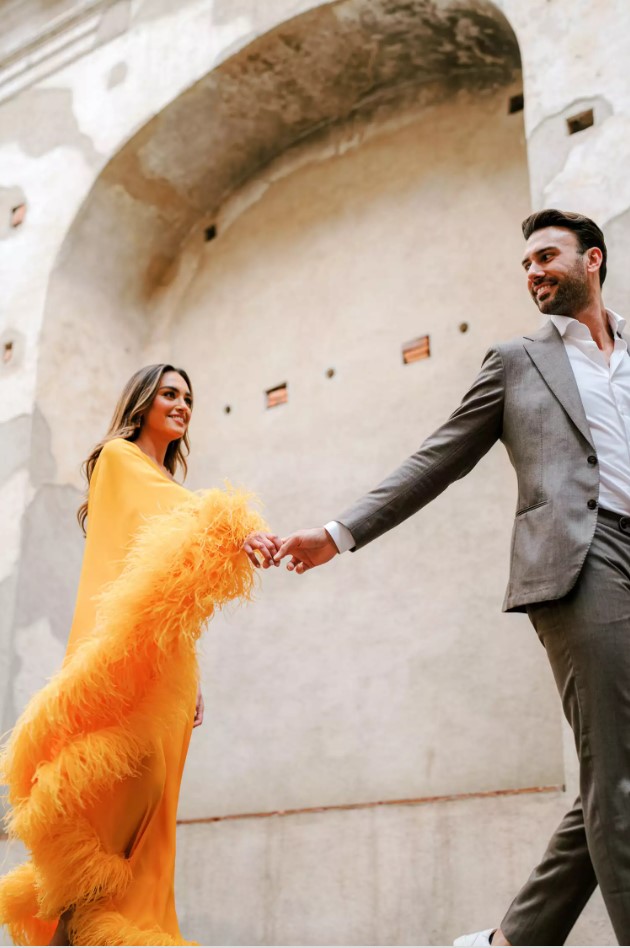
<point>365,177</point>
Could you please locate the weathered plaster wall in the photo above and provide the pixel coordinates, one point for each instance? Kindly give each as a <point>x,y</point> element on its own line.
<point>383,876</point>
<point>66,121</point>
<point>346,251</point>
<point>409,875</point>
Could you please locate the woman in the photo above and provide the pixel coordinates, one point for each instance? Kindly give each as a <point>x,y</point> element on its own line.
<point>95,762</point>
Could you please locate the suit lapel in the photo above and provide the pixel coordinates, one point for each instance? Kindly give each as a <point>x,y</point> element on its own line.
<point>547,352</point>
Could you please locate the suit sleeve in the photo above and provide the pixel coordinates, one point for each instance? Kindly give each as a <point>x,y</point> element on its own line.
<point>446,455</point>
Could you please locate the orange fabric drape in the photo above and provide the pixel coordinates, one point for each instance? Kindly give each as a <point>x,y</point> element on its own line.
<point>94,763</point>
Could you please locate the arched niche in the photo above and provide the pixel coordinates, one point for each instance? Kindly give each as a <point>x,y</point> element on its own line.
<point>336,63</point>
<point>372,86</point>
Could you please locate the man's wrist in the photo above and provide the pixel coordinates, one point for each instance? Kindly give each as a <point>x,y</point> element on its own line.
<point>340,535</point>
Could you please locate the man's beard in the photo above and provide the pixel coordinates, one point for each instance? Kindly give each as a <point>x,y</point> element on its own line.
<point>571,295</point>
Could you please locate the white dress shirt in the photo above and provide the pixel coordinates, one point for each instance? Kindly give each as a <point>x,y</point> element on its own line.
<point>604,388</point>
<point>340,535</point>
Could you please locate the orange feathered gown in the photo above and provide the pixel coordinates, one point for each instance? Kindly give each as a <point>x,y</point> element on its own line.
<point>94,764</point>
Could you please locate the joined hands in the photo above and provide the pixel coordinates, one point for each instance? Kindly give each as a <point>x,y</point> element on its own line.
<point>307,549</point>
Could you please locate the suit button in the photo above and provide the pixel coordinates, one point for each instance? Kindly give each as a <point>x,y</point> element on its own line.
<point>592,459</point>
<point>592,504</point>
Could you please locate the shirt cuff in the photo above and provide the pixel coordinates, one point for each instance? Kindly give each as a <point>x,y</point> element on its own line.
<point>340,535</point>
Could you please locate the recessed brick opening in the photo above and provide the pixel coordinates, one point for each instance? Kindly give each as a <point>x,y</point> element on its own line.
<point>18,213</point>
<point>416,350</point>
<point>516,103</point>
<point>278,395</point>
<point>580,121</point>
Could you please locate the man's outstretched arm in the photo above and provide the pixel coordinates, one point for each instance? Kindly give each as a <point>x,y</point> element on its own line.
<point>448,454</point>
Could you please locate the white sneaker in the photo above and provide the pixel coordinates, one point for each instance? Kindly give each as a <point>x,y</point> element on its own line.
<point>476,938</point>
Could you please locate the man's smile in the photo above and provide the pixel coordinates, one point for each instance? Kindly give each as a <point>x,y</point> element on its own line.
<point>543,289</point>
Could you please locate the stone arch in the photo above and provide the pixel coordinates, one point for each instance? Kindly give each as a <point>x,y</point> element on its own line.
<point>311,84</point>
<point>337,62</point>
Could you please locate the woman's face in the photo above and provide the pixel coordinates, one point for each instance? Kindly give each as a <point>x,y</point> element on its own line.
<point>170,411</point>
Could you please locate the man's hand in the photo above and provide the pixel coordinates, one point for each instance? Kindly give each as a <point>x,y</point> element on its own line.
<point>307,548</point>
<point>199,707</point>
<point>262,548</point>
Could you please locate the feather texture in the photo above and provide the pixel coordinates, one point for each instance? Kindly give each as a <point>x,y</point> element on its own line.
<point>91,726</point>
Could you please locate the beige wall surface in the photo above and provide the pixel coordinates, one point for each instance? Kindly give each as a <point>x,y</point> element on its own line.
<point>366,681</point>
<point>367,181</point>
<point>407,875</point>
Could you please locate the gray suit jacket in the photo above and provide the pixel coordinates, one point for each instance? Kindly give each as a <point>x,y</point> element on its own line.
<point>526,396</point>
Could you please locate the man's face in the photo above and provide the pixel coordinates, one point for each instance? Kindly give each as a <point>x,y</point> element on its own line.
<point>557,276</point>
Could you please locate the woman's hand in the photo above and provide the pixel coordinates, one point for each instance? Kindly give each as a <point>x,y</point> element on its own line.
<point>261,548</point>
<point>199,707</point>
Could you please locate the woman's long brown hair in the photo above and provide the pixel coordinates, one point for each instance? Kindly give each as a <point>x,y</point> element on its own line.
<point>133,404</point>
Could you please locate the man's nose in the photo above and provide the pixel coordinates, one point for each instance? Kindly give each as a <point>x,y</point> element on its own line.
<point>535,272</point>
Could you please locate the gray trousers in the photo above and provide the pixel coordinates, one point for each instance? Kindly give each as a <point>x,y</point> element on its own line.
<point>587,638</point>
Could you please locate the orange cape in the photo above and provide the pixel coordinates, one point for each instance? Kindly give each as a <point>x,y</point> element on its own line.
<point>113,725</point>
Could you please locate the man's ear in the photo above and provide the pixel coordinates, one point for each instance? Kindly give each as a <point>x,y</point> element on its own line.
<point>594,258</point>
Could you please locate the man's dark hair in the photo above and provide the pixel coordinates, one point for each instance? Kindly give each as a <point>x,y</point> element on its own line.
<point>587,232</point>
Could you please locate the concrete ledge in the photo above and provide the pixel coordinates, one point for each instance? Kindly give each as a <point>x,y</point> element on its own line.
<point>401,874</point>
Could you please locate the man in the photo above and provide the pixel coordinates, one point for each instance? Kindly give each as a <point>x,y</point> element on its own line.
<point>559,400</point>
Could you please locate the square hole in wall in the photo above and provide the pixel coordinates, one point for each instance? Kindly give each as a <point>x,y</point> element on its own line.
<point>580,121</point>
<point>18,213</point>
<point>278,395</point>
<point>416,350</point>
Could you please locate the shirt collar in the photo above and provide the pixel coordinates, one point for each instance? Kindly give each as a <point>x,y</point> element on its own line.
<point>569,326</point>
